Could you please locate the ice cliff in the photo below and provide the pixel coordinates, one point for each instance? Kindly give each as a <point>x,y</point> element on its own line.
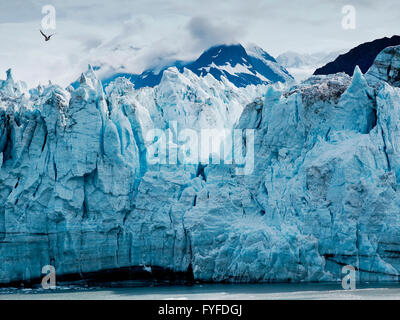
<point>78,190</point>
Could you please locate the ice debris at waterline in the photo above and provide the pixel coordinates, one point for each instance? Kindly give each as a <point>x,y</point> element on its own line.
<point>78,192</point>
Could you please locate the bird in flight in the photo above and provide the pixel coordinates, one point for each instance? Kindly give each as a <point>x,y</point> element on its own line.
<point>46,38</point>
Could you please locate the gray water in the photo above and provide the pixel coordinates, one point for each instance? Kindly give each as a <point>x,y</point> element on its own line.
<point>330,291</point>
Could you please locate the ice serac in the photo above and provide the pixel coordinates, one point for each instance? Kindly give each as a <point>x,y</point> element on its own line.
<point>386,67</point>
<point>67,180</point>
<point>79,189</point>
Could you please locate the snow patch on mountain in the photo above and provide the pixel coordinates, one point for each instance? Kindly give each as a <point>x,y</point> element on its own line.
<point>240,66</point>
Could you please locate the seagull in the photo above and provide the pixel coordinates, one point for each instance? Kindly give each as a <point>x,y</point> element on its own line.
<point>46,38</point>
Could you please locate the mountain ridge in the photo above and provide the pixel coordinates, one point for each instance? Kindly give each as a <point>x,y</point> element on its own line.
<point>241,66</point>
<point>363,55</point>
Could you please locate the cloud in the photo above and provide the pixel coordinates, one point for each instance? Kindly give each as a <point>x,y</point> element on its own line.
<point>207,33</point>
<point>19,11</point>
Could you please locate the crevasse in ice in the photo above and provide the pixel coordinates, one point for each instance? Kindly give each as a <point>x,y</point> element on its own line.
<point>78,190</point>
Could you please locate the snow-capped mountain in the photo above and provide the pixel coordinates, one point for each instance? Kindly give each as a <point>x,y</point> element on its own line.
<point>79,189</point>
<point>292,59</point>
<point>301,66</point>
<point>240,66</point>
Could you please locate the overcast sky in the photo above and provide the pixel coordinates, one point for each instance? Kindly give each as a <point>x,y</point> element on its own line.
<point>146,33</point>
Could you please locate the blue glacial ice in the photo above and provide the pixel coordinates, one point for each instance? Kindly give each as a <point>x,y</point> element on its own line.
<point>78,189</point>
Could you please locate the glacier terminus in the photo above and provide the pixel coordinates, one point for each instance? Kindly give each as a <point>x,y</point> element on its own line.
<point>79,190</point>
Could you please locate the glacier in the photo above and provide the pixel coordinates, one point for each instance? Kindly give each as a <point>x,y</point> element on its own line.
<point>79,192</point>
